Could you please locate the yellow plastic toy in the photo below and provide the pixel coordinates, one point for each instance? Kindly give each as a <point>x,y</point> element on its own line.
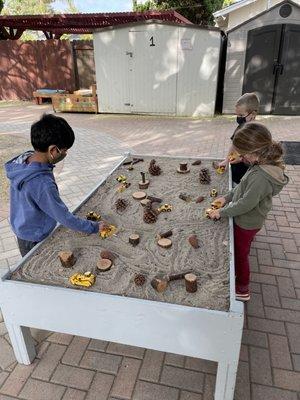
<point>107,231</point>
<point>121,179</point>
<point>165,208</point>
<point>213,193</point>
<point>93,216</point>
<point>220,170</point>
<point>215,205</point>
<point>87,279</point>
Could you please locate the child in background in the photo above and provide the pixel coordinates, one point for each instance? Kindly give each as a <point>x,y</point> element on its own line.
<point>246,109</point>
<point>35,204</point>
<point>251,200</point>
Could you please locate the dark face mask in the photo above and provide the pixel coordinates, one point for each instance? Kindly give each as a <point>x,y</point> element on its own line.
<point>241,120</point>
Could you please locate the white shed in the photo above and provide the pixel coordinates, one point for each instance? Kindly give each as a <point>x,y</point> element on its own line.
<point>157,67</point>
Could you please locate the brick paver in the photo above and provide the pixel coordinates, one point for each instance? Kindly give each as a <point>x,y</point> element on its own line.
<point>74,368</point>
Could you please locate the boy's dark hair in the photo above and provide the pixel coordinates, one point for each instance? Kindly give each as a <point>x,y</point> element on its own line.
<point>50,130</point>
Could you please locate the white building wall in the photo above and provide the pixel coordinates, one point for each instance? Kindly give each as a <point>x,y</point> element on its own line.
<point>198,71</point>
<point>177,77</point>
<point>236,53</point>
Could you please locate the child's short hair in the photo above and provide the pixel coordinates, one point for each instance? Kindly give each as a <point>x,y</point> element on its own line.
<point>255,138</point>
<point>250,101</point>
<point>50,130</point>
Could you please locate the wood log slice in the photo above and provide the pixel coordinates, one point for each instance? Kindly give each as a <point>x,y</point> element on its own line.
<point>164,243</point>
<point>104,265</point>
<point>139,195</point>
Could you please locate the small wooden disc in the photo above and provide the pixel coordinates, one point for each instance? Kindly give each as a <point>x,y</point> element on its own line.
<point>139,195</point>
<point>104,264</point>
<point>145,202</point>
<point>182,172</point>
<point>164,243</point>
<point>144,185</point>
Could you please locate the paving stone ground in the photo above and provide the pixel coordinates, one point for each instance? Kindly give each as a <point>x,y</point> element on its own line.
<point>71,368</point>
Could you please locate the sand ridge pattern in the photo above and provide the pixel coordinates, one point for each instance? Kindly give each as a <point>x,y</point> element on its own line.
<point>210,262</point>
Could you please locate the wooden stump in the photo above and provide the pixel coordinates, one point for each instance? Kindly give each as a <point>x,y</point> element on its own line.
<point>159,284</point>
<point>144,185</point>
<point>67,259</point>
<point>107,254</point>
<point>134,239</point>
<point>190,283</point>
<point>104,265</point>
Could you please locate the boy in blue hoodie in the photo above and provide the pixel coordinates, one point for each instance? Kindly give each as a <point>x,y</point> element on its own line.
<point>35,203</point>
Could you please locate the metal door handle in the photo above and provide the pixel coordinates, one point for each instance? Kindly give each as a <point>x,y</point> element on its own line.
<point>280,66</point>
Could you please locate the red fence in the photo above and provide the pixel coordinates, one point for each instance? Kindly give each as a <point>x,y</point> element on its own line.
<point>53,64</point>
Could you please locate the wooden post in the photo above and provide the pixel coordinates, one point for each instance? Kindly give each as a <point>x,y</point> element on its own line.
<point>190,283</point>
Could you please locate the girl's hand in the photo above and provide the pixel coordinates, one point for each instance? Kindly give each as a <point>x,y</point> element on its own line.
<point>236,160</point>
<point>221,200</point>
<point>214,214</point>
<point>223,164</point>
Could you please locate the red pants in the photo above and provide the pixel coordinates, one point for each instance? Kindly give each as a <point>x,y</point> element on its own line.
<point>242,243</point>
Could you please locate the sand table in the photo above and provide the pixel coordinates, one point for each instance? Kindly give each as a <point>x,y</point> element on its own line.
<point>210,262</point>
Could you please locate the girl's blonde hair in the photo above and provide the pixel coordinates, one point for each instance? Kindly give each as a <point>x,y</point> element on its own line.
<point>255,138</point>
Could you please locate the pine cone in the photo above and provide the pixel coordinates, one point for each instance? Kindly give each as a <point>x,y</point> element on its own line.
<point>204,176</point>
<point>150,215</point>
<point>154,169</point>
<point>121,204</point>
<point>139,279</point>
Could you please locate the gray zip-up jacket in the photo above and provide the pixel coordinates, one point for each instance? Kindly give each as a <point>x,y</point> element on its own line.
<point>251,200</point>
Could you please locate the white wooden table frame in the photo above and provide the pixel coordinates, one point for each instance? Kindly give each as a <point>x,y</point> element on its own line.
<point>190,331</point>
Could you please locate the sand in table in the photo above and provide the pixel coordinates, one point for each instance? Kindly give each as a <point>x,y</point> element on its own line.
<point>210,262</point>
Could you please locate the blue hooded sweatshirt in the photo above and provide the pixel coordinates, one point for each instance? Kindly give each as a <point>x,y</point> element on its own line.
<point>35,204</point>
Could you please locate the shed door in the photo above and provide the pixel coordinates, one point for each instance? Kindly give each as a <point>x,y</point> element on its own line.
<point>287,90</point>
<point>154,71</point>
<point>272,68</point>
<point>262,54</point>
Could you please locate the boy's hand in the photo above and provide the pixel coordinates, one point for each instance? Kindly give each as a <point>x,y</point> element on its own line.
<point>103,225</point>
<point>214,214</point>
<point>221,200</point>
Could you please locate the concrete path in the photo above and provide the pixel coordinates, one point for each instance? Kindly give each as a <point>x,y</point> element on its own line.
<point>74,368</point>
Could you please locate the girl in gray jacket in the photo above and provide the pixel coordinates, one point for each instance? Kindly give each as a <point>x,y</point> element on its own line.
<point>251,200</point>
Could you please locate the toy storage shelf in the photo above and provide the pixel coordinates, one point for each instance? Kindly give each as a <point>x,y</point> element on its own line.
<point>191,331</point>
